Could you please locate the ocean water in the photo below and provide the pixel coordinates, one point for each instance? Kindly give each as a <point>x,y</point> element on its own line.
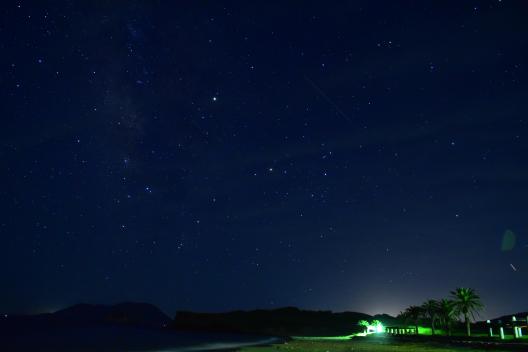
<point>121,339</point>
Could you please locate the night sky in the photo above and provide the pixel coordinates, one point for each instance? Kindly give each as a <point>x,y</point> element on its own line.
<point>209,156</point>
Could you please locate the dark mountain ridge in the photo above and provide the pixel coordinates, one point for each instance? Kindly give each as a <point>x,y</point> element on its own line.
<point>286,321</point>
<point>129,313</point>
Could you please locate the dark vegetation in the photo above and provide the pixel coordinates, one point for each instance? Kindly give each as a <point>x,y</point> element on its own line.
<point>280,322</point>
<point>463,303</point>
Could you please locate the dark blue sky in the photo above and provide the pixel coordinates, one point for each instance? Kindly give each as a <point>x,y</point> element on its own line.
<point>352,155</point>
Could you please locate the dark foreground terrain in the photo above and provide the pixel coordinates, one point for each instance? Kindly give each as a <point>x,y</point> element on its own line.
<point>384,344</point>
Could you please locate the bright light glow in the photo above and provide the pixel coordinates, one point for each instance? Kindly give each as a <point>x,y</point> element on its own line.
<point>374,329</point>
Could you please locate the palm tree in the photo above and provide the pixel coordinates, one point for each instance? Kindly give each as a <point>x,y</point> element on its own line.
<point>446,313</point>
<point>466,302</point>
<point>413,313</point>
<point>430,309</point>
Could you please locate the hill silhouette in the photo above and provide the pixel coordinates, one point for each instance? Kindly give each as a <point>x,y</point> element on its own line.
<point>289,321</point>
<point>133,314</point>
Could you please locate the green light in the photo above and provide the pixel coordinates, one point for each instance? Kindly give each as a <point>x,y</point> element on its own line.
<point>375,327</point>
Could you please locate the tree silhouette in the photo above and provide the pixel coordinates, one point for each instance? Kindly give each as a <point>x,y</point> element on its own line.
<point>430,309</point>
<point>365,324</point>
<point>413,314</point>
<point>446,313</point>
<point>466,302</point>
